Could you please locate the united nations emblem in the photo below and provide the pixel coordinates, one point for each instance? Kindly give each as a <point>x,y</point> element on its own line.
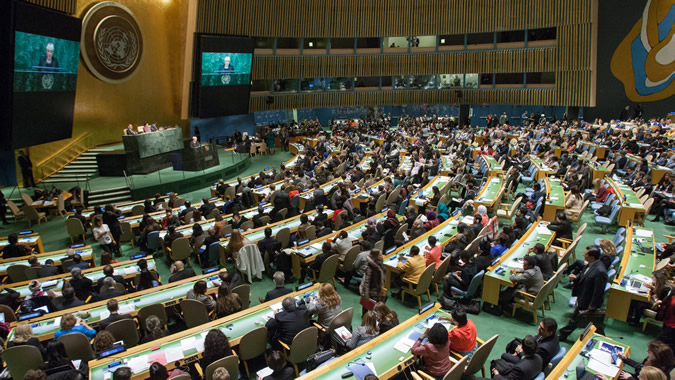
<point>225,79</point>
<point>47,81</point>
<point>112,42</point>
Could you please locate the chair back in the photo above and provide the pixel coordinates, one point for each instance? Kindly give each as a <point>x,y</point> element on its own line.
<point>480,356</point>
<point>581,229</point>
<point>379,204</point>
<point>20,359</point>
<point>425,280</point>
<point>8,312</point>
<point>27,200</point>
<point>154,241</point>
<point>244,293</point>
<point>230,363</point>
<point>253,264</point>
<point>379,245</point>
<point>615,211</point>
<point>303,345</point>
<point>283,212</point>
<point>197,243</point>
<point>394,195</point>
<point>30,213</point>
<point>247,225</point>
<point>180,249</point>
<point>127,232</point>
<point>328,269</point>
<point>401,230</point>
<point>340,220</point>
<point>61,203</point>
<point>156,309</point>
<point>284,236</point>
<point>265,220</point>
<point>32,273</point>
<point>610,275</point>
<point>310,232</point>
<point>137,210</point>
<point>403,207</point>
<point>77,346</point>
<point>17,273</point>
<point>457,370</point>
<point>126,331</point>
<point>555,360</point>
<point>475,283</point>
<point>348,262</point>
<point>344,318</point>
<point>442,270</point>
<point>253,343</point>
<point>194,313</point>
<point>215,212</point>
<point>66,264</point>
<point>542,295</point>
<point>14,208</point>
<point>514,207</point>
<point>188,217</point>
<point>74,227</point>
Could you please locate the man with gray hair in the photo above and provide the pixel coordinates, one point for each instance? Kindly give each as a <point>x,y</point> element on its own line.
<point>83,286</point>
<point>109,290</point>
<point>287,323</point>
<point>69,300</point>
<point>279,291</point>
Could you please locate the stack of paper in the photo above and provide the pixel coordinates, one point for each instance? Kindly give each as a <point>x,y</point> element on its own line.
<point>404,345</point>
<point>264,372</point>
<point>600,361</point>
<point>126,308</point>
<point>158,357</point>
<point>188,344</point>
<point>543,230</point>
<point>173,354</point>
<point>643,233</point>
<point>276,306</point>
<point>130,270</point>
<point>139,364</point>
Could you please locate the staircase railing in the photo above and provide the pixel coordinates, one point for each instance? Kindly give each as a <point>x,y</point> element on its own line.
<point>61,158</point>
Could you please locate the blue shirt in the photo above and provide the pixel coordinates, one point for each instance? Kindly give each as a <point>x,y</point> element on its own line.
<point>497,250</point>
<point>90,333</point>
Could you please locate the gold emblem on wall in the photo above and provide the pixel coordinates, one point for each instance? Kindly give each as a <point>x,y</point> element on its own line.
<point>112,42</point>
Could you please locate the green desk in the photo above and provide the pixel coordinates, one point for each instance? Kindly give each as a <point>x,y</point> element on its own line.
<point>169,294</point>
<point>635,265</point>
<point>427,192</point>
<point>406,164</point>
<point>363,196</point>
<point>446,165</point>
<point>630,203</point>
<point>187,346</point>
<point>86,253</point>
<point>444,233</point>
<point>308,195</point>
<point>296,148</point>
<point>126,269</point>
<point>32,240</point>
<point>489,194</point>
<point>513,259</point>
<point>555,198</point>
<point>567,367</point>
<point>599,171</point>
<point>384,357</point>
<point>493,166</point>
<point>293,161</point>
<point>153,143</point>
<point>365,163</point>
<point>542,170</point>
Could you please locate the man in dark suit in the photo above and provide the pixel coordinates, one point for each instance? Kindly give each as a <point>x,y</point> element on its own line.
<point>206,207</point>
<point>110,291</point>
<point>461,279</point>
<point>279,290</point>
<point>69,300</point>
<point>108,271</point>
<point>181,272</point>
<point>326,252</point>
<point>48,269</point>
<point>562,228</point>
<point>542,259</point>
<point>114,315</point>
<point>188,208</point>
<point>171,236</point>
<point>78,263</point>
<point>281,201</point>
<point>256,218</point>
<point>527,368</point>
<point>9,297</point>
<point>288,323</point>
<point>589,288</point>
<point>548,346</point>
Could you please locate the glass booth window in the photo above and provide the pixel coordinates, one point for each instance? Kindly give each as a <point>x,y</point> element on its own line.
<point>338,84</point>
<point>264,46</point>
<point>450,42</point>
<point>342,46</point>
<point>450,81</point>
<point>261,86</point>
<point>369,45</point>
<point>478,41</point>
<point>541,37</point>
<point>511,39</point>
<point>312,85</point>
<point>286,85</point>
<point>315,46</point>
<point>395,44</point>
<point>471,81</point>
<point>423,43</point>
<point>366,83</point>
<point>509,79</point>
<point>288,46</point>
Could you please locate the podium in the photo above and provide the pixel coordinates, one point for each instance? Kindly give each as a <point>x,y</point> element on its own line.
<point>195,159</point>
<point>149,152</point>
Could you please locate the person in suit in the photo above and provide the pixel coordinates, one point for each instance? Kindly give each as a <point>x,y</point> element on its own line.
<point>542,260</point>
<point>188,208</point>
<point>277,362</point>
<point>110,218</point>
<point>14,248</point>
<point>527,368</point>
<point>226,66</point>
<point>69,300</point>
<point>108,271</point>
<point>288,323</point>
<point>562,228</point>
<point>83,286</point>
<point>461,279</point>
<point>114,316</point>
<point>48,269</point>
<point>171,236</point>
<point>194,144</point>
<point>529,280</point>
<point>326,252</point>
<point>170,220</point>
<point>130,130</point>
<point>279,289</point>
<point>181,272</point>
<point>547,347</point>
<point>109,290</point>
<point>589,288</point>
<point>206,207</point>
<point>78,263</point>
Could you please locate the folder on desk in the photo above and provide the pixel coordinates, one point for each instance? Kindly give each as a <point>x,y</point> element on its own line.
<point>360,369</point>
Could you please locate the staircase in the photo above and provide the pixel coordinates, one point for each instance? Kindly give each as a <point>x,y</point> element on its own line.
<point>79,170</point>
<point>109,196</point>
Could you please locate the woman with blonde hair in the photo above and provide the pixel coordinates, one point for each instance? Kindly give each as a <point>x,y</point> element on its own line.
<point>574,203</point>
<point>651,373</point>
<point>326,306</point>
<point>365,332</point>
<point>607,247</point>
<point>23,335</point>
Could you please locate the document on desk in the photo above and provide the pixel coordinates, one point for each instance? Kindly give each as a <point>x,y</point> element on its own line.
<point>139,364</point>
<point>126,308</point>
<point>276,306</point>
<point>104,314</point>
<point>643,233</point>
<point>404,345</point>
<point>543,230</point>
<point>159,357</point>
<point>188,344</point>
<point>130,270</point>
<point>606,369</point>
<point>173,354</point>
<point>515,264</point>
<point>317,246</point>
<point>49,283</point>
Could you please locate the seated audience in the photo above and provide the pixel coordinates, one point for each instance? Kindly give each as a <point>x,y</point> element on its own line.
<point>326,306</point>
<point>435,351</point>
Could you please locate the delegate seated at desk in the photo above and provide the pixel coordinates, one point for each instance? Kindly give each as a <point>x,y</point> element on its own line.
<point>195,143</point>
<point>130,131</point>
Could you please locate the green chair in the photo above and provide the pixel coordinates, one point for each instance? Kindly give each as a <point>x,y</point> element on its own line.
<point>230,363</point>
<point>17,273</point>
<point>303,345</point>
<point>75,228</point>
<point>154,309</point>
<point>455,373</point>
<point>77,346</point>
<point>244,293</point>
<point>252,345</point>
<point>194,313</point>
<point>20,359</point>
<point>127,233</point>
<point>180,250</point>
<point>327,272</point>
<point>421,287</point>
<point>126,331</point>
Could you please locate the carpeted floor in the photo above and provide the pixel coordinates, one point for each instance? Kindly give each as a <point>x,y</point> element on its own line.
<point>54,236</point>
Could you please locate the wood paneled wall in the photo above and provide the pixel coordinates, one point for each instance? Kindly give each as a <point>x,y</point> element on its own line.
<point>65,6</point>
<point>570,59</point>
